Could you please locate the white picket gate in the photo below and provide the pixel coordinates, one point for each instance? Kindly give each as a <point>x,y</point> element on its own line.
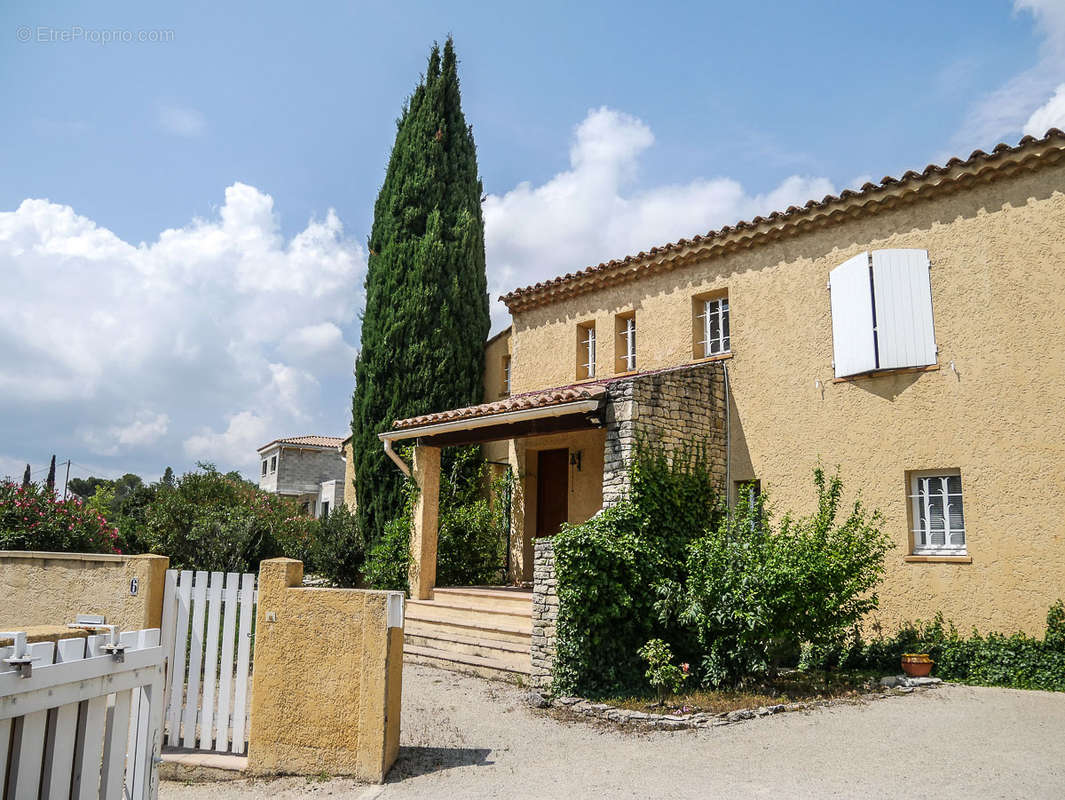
<point>82,721</point>
<point>207,628</point>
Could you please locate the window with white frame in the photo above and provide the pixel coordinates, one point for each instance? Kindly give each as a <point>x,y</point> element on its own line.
<point>273,464</point>
<point>625,327</point>
<point>586,350</point>
<point>937,513</point>
<point>882,312</point>
<point>711,326</point>
<point>506,376</point>
<point>264,466</point>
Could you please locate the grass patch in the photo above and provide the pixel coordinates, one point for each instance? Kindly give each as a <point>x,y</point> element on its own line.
<point>790,687</point>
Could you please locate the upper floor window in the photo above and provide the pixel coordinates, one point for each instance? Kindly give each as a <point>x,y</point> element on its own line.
<point>264,466</point>
<point>625,347</point>
<point>586,350</point>
<point>882,312</point>
<point>506,377</point>
<point>273,464</point>
<point>711,326</point>
<point>937,513</point>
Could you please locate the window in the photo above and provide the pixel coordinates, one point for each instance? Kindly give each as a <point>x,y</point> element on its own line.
<point>882,312</point>
<point>325,509</point>
<point>625,327</point>
<point>506,376</point>
<point>273,464</point>
<point>936,512</point>
<point>711,326</point>
<point>586,350</point>
<point>264,467</point>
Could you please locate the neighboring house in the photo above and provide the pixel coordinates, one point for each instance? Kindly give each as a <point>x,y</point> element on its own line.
<point>911,332</point>
<point>307,468</point>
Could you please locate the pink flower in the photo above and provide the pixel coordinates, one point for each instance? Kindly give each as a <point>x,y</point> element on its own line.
<point>684,668</point>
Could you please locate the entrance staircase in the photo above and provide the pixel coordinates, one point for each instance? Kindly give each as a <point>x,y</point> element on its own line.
<point>482,630</point>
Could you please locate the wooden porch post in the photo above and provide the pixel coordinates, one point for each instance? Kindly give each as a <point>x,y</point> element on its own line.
<point>423,533</point>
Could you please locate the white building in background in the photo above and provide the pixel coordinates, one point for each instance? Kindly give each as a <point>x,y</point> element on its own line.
<point>307,468</point>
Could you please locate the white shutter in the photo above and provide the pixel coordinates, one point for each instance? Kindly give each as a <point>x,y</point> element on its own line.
<point>903,296</point>
<point>852,317</point>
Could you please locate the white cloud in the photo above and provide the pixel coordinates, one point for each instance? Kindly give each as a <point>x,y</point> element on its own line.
<point>1050,115</point>
<point>591,212</point>
<point>182,121</point>
<point>213,339</point>
<point>1002,113</point>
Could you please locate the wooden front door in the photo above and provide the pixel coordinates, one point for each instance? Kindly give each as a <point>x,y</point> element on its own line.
<point>552,491</point>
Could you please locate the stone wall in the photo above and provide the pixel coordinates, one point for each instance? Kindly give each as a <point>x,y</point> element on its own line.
<point>544,612</point>
<point>303,470</point>
<point>673,408</point>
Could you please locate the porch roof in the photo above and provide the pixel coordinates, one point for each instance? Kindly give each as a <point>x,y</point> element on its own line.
<point>562,408</point>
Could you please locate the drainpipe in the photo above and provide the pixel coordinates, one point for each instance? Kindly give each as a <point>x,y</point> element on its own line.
<point>395,457</point>
<point>728,443</point>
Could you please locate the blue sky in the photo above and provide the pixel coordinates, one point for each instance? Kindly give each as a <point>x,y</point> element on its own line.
<point>256,136</point>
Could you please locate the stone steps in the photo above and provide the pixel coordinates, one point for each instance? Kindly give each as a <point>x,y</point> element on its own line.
<point>482,631</point>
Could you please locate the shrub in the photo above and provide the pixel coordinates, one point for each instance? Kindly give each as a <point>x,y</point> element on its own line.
<point>338,548</point>
<point>609,570</point>
<point>31,518</point>
<point>663,675</point>
<point>214,521</point>
<point>1017,661</point>
<point>388,560</point>
<point>756,592</point>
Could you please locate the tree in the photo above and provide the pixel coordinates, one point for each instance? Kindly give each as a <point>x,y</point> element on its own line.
<point>26,477</point>
<point>426,316</point>
<point>50,483</point>
<point>168,477</point>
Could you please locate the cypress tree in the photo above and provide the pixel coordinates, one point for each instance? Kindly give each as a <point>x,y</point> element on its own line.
<point>50,482</point>
<point>26,478</point>
<point>426,317</point>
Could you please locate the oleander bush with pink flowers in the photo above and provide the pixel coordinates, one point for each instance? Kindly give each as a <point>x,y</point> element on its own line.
<point>32,518</point>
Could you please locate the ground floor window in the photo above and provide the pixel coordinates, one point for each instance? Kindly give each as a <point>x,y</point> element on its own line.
<point>937,513</point>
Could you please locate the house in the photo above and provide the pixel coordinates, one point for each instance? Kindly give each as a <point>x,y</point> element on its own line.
<point>307,468</point>
<point>911,332</point>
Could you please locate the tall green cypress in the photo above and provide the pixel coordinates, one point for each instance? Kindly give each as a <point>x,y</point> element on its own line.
<point>426,317</point>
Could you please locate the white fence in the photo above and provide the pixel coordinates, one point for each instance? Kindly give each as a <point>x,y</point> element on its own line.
<point>81,718</point>
<point>207,628</point>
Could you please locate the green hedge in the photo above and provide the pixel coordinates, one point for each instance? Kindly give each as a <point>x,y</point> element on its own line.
<point>1016,661</point>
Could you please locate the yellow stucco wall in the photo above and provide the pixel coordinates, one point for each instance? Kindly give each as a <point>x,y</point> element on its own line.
<point>39,588</point>
<point>327,679</point>
<point>998,287</point>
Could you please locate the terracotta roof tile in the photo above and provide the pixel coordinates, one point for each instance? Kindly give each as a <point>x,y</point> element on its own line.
<point>541,398</point>
<point>542,290</point>
<point>309,441</point>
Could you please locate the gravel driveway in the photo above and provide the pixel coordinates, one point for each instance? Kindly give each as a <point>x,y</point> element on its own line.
<point>465,737</point>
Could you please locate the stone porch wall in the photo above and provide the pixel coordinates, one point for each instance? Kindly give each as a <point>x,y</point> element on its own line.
<point>672,408</point>
<point>544,613</point>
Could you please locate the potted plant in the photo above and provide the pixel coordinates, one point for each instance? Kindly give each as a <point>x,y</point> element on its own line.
<point>917,665</point>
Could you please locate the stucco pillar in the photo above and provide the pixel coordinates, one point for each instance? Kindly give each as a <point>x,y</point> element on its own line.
<point>423,532</point>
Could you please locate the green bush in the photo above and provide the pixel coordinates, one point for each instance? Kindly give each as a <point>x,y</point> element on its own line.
<point>609,570</point>
<point>1017,661</point>
<point>214,521</point>
<point>472,529</point>
<point>665,676</point>
<point>31,518</point>
<point>388,560</point>
<point>338,548</point>
<point>757,591</point>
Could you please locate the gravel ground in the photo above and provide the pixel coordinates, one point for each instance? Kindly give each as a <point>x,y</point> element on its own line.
<point>464,737</point>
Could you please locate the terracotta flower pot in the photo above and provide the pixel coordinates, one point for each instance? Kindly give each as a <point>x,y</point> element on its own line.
<point>917,665</point>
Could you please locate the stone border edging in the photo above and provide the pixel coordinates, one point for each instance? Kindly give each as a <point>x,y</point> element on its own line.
<point>891,686</point>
